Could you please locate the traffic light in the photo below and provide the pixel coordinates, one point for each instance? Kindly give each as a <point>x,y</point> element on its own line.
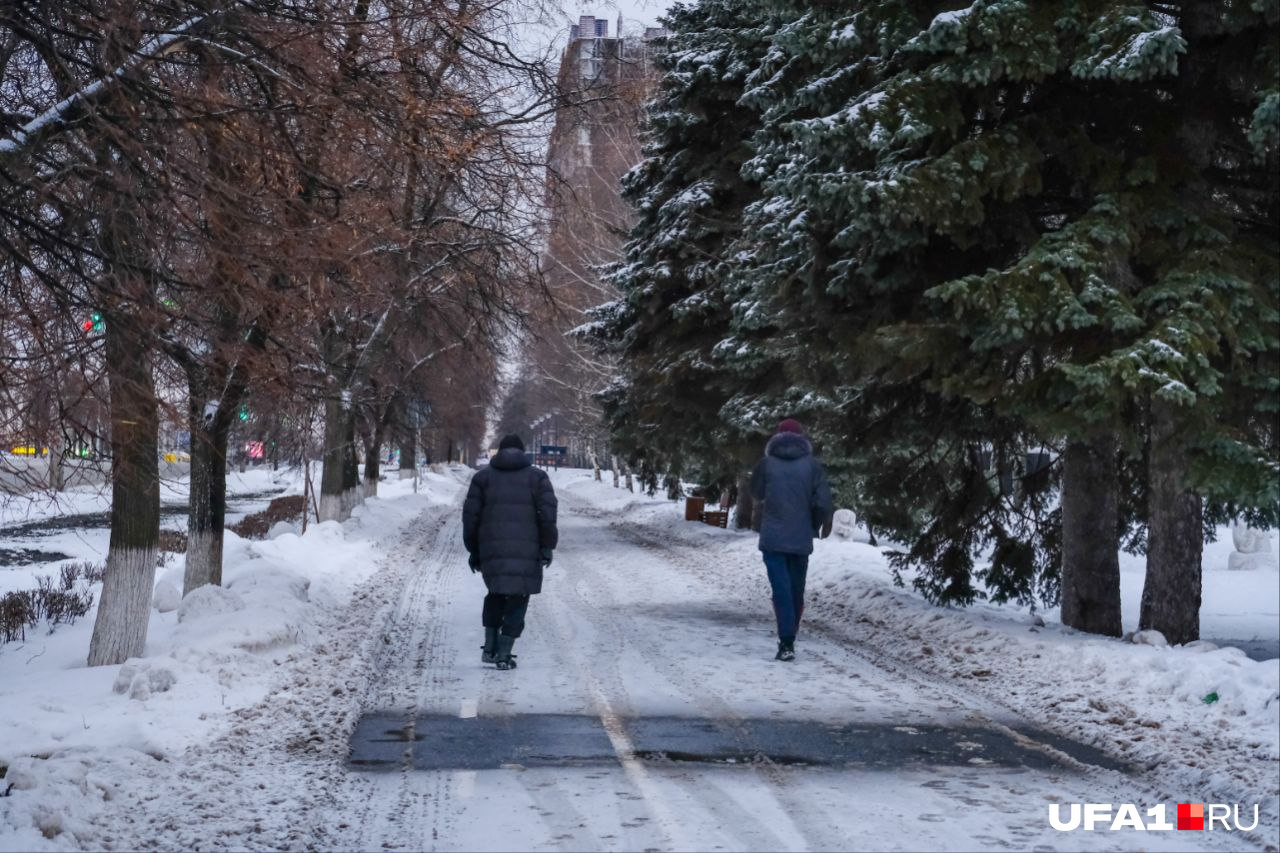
<point>244,412</point>
<point>94,323</point>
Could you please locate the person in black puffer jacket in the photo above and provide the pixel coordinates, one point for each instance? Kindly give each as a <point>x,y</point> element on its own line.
<point>509,529</point>
<point>797,507</point>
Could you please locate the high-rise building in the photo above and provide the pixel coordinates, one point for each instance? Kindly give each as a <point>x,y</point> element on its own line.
<point>596,139</point>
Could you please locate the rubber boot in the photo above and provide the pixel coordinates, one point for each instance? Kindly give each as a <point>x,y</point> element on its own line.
<point>503,657</point>
<point>490,648</point>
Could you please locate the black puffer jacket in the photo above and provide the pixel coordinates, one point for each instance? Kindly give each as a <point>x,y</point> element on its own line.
<point>508,518</point>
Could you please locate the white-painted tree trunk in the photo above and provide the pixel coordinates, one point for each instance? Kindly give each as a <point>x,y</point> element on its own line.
<point>204,560</point>
<point>331,508</point>
<point>124,610</point>
<point>351,498</point>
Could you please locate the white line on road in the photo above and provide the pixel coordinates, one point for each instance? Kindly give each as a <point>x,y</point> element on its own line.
<point>632,766</point>
<point>465,783</point>
<point>636,771</point>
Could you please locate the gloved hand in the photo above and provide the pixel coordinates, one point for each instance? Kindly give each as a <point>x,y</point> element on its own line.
<point>544,557</point>
<point>473,560</point>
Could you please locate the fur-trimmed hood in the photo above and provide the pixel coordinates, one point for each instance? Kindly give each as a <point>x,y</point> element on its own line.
<point>789,445</point>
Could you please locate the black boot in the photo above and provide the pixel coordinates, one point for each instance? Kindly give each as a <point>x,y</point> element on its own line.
<point>786,650</point>
<point>503,657</point>
<point>490,652</point>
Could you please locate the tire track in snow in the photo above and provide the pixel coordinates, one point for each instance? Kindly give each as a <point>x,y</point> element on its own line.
<point>593,595</point>
<point>630,633</point>
<point>408,808</point>
<point>277,777</point>
<point>600,686</point>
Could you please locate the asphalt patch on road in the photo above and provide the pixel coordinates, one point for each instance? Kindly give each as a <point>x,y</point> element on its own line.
<point>439,742</point>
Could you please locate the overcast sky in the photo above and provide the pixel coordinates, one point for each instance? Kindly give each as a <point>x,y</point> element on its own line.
<point>644,12</point>
<point>637,14</point>
<point>548,31</point>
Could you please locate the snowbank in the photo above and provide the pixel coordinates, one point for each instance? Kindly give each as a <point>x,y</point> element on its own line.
<point>69,734</point>
<point>1206,717</point>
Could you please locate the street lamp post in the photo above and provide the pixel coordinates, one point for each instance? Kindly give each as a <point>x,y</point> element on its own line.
<point>536,427</point>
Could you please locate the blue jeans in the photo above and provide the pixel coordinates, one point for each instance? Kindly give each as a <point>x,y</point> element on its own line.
<point>786,576</point>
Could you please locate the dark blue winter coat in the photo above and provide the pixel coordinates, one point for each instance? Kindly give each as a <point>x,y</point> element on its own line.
<point>797,499</point>
<point>509,517</point>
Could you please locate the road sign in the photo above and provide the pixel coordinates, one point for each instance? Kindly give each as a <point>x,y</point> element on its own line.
<point>554,450</point>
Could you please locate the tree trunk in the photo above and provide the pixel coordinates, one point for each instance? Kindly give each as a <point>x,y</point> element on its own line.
<point>120,630</point>
<point>351,495</point>
<point>372,463</point>
<point>333,461</point>
<point>614,460</point>
<point>1175,534</point>
<point>674,490</point>
<point>306,491</point>
<point>206,516</point>
<point>57,477</point>
<point>408,452</point>
<point>207,512</point>
<point>1090,538</point>
<point>746,504</point>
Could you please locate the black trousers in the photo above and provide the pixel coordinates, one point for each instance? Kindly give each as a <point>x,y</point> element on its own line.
<point>505,612</point>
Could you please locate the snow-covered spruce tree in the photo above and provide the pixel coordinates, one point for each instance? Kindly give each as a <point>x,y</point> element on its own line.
<point>687,194</point>
<point>1151,299</point>
<point>1041,213</point>
<point>1210,265</point>
<point>819,272</point>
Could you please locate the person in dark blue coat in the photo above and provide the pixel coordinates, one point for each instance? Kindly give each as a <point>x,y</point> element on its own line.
<point>796,506</point>
<point>509,529</point>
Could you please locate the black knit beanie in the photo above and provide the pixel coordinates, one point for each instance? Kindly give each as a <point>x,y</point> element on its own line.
<point>512,440</point>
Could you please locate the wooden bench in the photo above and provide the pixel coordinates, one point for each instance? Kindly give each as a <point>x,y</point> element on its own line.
<point>716,518</point>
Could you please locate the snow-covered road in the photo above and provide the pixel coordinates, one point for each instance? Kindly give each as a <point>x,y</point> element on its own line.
<point>633,627</point>
<point>636,627</point>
